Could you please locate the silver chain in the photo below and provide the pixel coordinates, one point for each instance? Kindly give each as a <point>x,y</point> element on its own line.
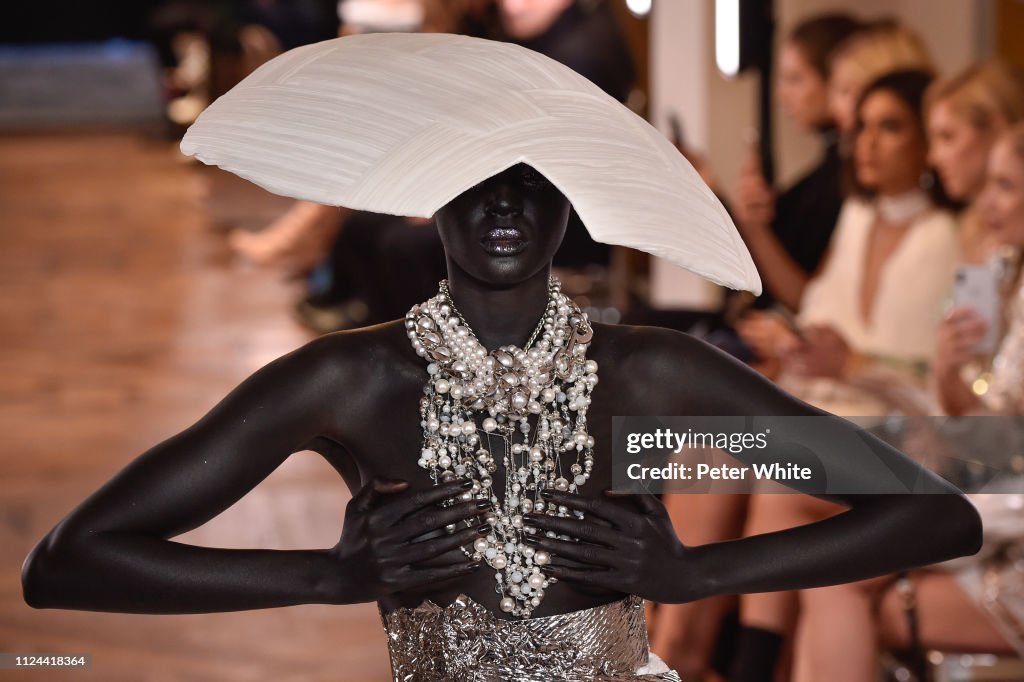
<point>540,324</point>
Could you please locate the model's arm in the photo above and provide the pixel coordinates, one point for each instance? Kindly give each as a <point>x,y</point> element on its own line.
<point>112,552</point>
<point>878,534</point>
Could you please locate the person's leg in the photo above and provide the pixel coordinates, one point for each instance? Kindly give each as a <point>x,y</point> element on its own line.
<point>837,638</point>
<point>297,239</point>
<point>948,618</point>
<point>684,635</point>
<point>768,619</point>
<point>842,627</point>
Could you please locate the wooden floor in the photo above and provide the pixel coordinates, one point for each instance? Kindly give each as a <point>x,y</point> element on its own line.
<point>126,318</point>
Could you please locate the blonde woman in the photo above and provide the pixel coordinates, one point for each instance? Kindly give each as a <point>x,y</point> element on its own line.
<point>966,114</point>
<point>882,46</point>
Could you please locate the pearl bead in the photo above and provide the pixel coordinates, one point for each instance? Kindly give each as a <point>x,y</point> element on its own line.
<point>441,385</point>
<point>499,561</point>
<point>480,544</point>
<point>541,557</point>
<point>507,604</point>
<point>490,424</point>
<point>536,580</point>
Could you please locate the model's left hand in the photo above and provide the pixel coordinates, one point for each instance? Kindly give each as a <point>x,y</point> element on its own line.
<point>636,552</point>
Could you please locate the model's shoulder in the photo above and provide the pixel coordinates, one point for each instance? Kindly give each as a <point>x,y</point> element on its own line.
<point>369,348</point>
<point>647,348</point>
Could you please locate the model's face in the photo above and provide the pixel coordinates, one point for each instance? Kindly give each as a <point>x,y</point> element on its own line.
<point>506,228</point>
<point>843,89</point>
<point>525,19</point>
<point>890,148</point>
<point>958,150</point>
<point>1002,202</point>
<point>802,91</point>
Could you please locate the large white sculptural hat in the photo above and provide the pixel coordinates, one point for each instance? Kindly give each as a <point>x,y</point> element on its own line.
<point>401,123</point>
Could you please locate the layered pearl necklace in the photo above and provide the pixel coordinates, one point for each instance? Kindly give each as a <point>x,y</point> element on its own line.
<point>550,378</point>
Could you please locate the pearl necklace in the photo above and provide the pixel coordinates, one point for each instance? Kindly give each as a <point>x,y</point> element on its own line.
<point>550,378</point>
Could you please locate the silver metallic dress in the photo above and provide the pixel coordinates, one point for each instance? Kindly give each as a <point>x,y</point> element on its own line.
<point>466,642</point>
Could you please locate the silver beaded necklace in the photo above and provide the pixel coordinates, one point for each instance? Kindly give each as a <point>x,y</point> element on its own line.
<point>550,377</point>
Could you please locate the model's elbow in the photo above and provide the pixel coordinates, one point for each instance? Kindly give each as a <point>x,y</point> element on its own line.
<point>974,528</point>
<point>960,524</point>
<point>52,570</point>
<point>36,577</point>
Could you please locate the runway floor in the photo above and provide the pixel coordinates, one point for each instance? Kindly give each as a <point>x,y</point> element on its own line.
<point>125,319</point>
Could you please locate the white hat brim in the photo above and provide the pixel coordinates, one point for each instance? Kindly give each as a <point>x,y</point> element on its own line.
<point>402,123</point>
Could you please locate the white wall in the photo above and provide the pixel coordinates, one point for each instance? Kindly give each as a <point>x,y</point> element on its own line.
<point>719,114</point>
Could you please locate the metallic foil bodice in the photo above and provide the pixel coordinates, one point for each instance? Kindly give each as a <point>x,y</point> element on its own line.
<point>466,642</point>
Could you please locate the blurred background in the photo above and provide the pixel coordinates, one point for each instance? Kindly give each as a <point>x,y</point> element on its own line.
<point>870,152</point>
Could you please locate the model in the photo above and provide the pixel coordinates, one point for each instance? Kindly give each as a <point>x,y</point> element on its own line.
<point>475,433</point>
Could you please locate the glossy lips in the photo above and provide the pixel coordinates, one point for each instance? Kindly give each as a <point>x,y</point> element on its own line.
<point>503,241</point>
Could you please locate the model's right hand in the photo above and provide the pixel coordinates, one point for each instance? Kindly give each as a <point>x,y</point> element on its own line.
<point>377,552</point>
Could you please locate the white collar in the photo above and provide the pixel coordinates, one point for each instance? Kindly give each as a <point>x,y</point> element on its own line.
<point>901,208</point>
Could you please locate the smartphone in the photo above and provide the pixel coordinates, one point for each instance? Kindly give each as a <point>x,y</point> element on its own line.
<point>977,286</point>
